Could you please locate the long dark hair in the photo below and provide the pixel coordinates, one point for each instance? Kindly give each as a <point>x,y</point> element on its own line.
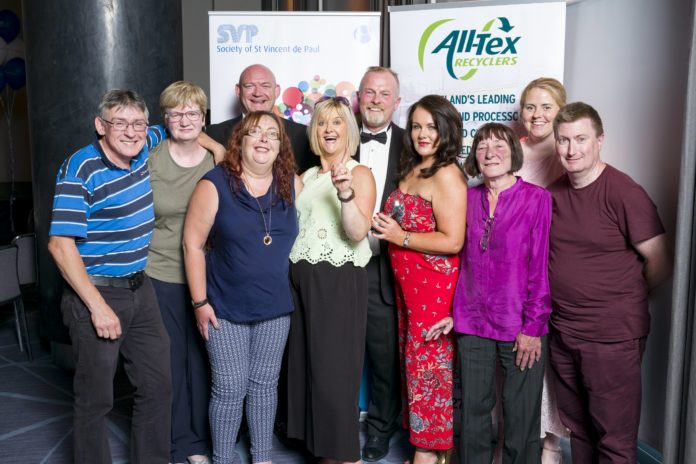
<point>283,167</point>
<point>448,123</point>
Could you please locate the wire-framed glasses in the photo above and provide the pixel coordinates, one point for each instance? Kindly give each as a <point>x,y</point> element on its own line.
<point>192,116</point>
<point>121,125</point>
<point>257,133</point>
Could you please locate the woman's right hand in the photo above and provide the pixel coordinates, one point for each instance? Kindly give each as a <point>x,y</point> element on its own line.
<point>204,315</point>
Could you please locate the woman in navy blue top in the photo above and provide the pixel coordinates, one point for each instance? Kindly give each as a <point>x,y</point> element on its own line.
<point>240,227</point>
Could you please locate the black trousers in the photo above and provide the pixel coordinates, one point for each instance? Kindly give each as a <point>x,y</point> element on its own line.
<point>521,399</point>
<point>190,372</point>
<point>326,349</point>
<point>144,345</point>
<point>382,349</point>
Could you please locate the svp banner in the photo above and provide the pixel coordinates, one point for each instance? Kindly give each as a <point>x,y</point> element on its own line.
<point>311,55</point>
<point>480,56</point>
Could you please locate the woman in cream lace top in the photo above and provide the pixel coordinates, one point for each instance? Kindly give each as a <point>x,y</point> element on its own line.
<point>329,284</point>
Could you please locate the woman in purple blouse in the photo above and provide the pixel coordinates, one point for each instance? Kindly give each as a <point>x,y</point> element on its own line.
<point>502,302</point>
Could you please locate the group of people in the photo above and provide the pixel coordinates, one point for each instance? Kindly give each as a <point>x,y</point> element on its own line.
<point>307,251</point>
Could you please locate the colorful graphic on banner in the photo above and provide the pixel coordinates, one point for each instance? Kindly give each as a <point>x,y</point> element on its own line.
<point>479,57</point>
<point>311,55</point>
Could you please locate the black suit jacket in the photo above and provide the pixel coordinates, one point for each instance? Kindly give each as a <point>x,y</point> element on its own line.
<point>297,133</point>
<point>386,277</point>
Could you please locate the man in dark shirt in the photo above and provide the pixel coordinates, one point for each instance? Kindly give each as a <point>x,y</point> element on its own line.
<point>607,250</point>
<point>257,90</point>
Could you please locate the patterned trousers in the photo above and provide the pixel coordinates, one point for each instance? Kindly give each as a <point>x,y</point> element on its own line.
<point>245,361</point>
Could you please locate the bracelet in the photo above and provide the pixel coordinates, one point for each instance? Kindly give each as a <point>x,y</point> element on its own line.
<point>407,238</point>
<point>198,304</point>
<point>347,199</point>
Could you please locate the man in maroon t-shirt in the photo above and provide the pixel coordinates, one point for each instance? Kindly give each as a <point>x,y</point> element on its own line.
<point>607,250</point>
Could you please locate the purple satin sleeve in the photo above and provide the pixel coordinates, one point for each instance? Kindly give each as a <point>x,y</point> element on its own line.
<point>504,289</point>
<point>537,307</point>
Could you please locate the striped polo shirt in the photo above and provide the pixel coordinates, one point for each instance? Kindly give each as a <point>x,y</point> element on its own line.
<point>106,208</point>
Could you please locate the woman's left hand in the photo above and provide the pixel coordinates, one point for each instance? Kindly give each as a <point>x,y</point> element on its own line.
<point>342,178</point>
<point>441,327</point>
<point>528,350</point>
<point>386,228</point>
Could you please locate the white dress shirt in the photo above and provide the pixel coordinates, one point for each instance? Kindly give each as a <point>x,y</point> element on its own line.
<point>375,156</point>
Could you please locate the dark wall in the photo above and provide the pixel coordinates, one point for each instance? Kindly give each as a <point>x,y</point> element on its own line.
<point>15,199</point>
<point>76,50</point>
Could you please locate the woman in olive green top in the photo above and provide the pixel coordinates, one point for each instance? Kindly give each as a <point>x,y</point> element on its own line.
<point>175,167</point>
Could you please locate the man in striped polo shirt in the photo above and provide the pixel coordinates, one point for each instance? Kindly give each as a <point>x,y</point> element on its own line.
<point>100,231</point>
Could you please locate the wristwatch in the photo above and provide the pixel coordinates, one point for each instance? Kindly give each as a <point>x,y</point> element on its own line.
<point>407,238</point>
<point>198,304</point>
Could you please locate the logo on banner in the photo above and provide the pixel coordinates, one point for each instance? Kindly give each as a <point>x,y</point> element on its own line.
<point>230,33</point>
<point>468,50</point>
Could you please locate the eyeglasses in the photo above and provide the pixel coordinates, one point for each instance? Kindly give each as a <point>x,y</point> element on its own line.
<point>121,125</point>
<point>192,116</point>
<point>257,132</point>
<point>486,237</point>
<point>337,99</point>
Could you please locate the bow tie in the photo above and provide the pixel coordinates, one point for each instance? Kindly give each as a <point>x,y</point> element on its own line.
<point>367,136</point>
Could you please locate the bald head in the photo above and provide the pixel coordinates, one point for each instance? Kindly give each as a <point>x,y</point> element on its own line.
<point>257,89</point>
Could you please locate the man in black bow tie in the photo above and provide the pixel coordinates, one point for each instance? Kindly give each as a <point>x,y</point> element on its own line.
<point>380,137</point>
<point>380,149</point>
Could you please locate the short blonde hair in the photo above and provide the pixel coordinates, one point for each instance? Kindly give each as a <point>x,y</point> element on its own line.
<point>551,85</point>
<point>183,93</point>
<point>342,107</point>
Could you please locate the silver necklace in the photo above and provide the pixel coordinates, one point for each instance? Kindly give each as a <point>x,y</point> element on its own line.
<point>267,239</point>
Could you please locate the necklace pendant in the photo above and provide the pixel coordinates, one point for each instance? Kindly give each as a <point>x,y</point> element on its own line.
<point>267,239</point>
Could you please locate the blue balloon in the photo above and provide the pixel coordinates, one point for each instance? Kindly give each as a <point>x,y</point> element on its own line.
<point>15,74</point>
<point>9,25</point>
<point>2,78</point>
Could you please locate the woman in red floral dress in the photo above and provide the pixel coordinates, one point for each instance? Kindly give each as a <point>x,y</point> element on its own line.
<point>424,221</point>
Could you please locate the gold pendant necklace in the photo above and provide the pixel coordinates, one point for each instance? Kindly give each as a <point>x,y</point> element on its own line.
<point>267,239</point>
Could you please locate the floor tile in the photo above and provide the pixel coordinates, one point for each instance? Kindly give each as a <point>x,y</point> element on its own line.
<point>37,397</point>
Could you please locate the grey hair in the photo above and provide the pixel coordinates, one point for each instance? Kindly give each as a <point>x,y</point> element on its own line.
<point>382,69</point>
<point>120,99</point>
